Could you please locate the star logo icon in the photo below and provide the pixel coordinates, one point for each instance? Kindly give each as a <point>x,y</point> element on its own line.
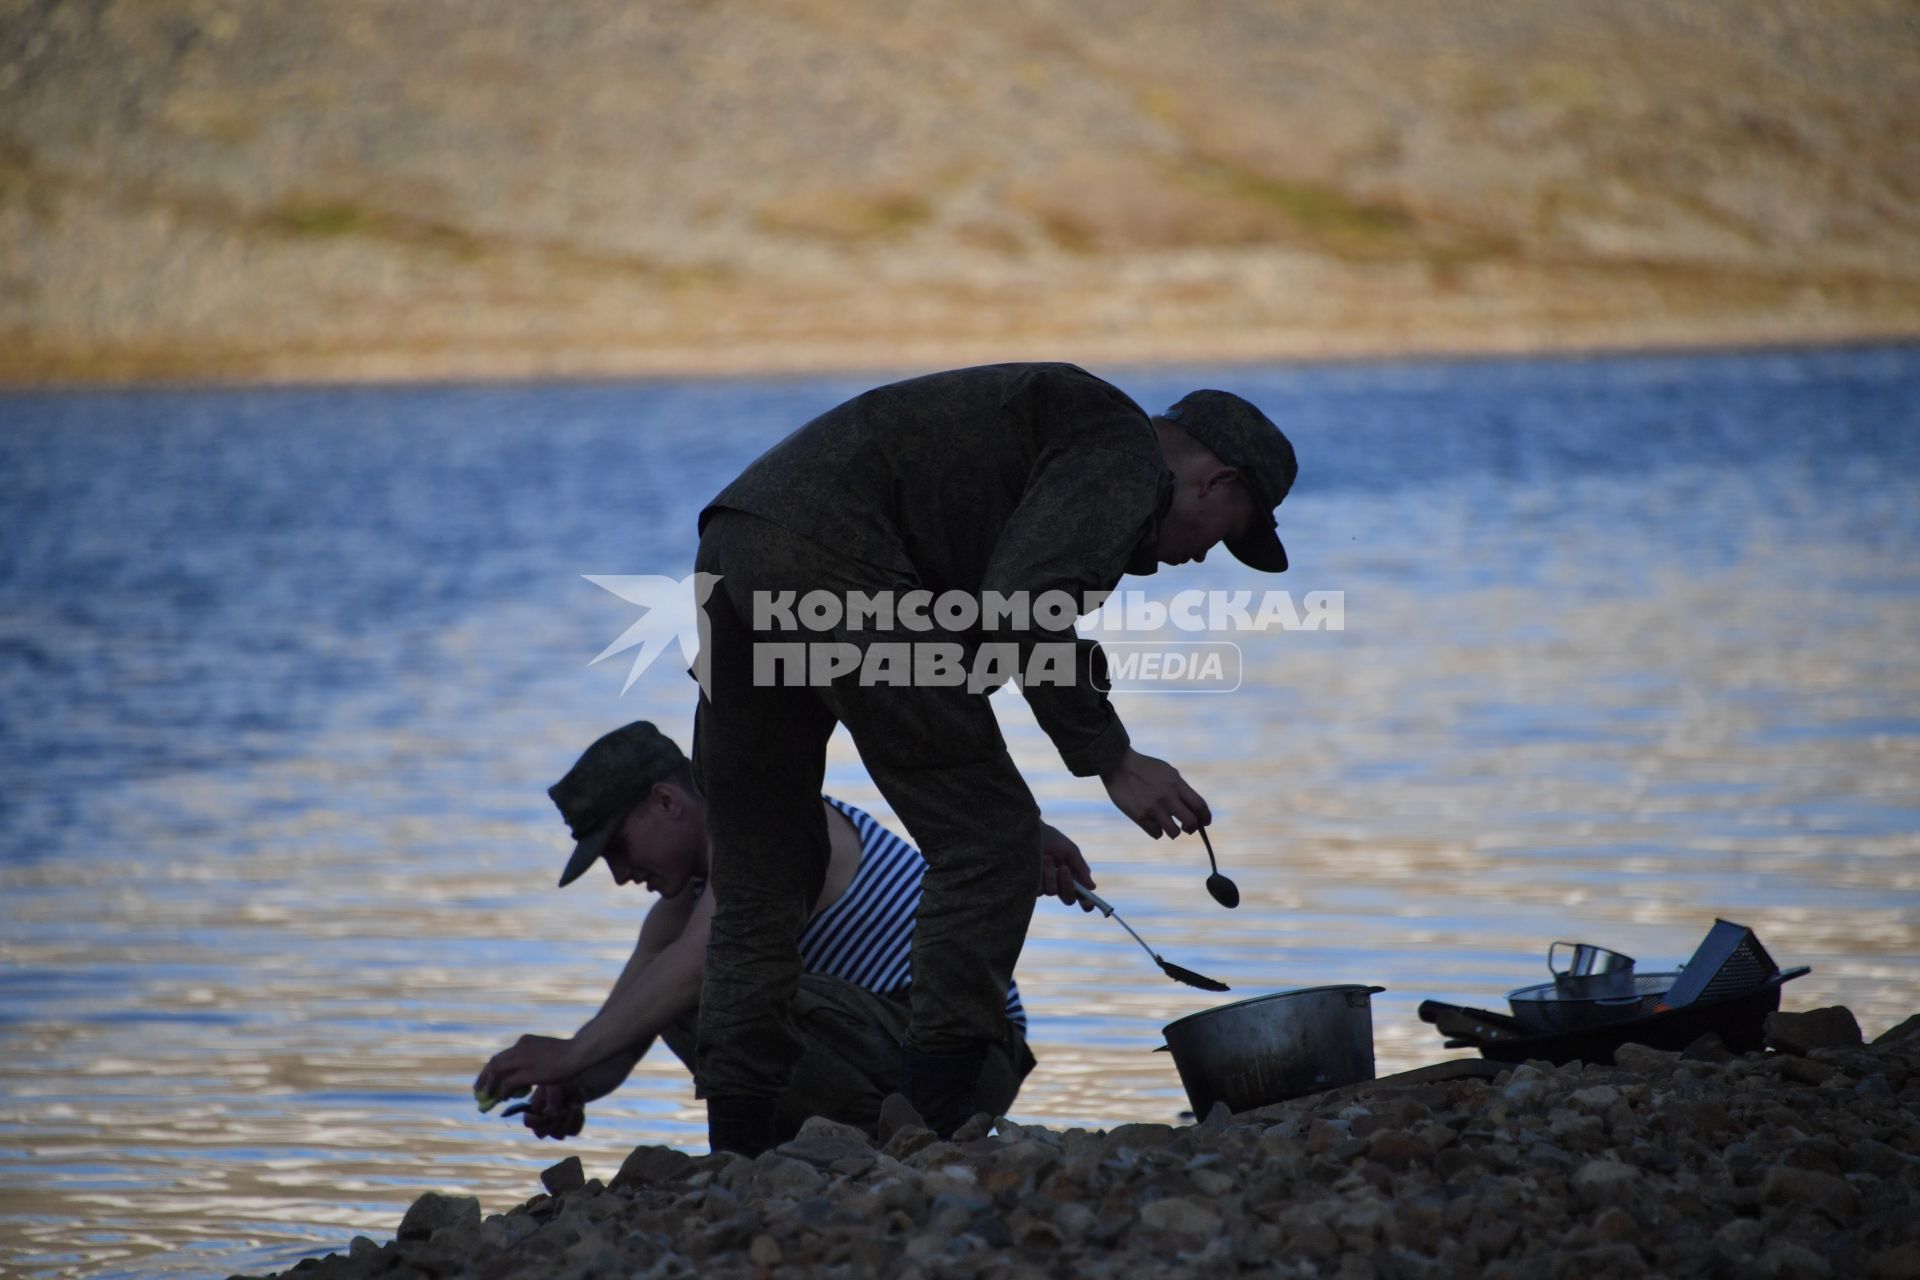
<point>671,610</point>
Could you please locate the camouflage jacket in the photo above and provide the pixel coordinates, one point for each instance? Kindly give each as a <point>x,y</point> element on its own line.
<point>1012,477</point>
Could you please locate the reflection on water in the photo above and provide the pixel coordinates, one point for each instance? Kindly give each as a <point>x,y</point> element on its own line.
<point>1628,647</point>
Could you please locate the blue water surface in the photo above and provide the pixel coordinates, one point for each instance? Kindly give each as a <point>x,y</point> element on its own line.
<point>1628,644</point>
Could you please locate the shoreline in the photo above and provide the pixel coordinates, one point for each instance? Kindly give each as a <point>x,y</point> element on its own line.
<point>1801,1160</point>
<point>587,364</point>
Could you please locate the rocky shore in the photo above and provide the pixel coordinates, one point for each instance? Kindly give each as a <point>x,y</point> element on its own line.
<point>1802,1160</point>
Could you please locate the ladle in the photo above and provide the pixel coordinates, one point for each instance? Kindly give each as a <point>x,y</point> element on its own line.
<point>1173,971</point>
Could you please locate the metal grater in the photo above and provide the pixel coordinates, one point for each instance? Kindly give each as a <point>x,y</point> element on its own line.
<point>1728,962</point>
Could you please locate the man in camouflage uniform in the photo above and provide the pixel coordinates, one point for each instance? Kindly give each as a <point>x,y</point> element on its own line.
<point>1007,478</point>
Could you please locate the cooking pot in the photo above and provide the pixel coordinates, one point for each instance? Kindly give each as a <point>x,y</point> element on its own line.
<point>1272,1048</point>
<point>1591,986</point>
<point>1583,971</point>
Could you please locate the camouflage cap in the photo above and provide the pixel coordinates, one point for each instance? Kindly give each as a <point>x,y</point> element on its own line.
<point>609,778</point>
<point>1245,439</point>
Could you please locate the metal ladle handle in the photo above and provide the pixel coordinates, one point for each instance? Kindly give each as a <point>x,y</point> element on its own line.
<point>1108,911</point>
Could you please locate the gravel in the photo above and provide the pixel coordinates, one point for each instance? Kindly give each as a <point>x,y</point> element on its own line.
<point>1672,1164</point>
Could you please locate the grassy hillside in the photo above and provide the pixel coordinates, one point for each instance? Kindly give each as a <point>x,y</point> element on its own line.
<point>372,188</point>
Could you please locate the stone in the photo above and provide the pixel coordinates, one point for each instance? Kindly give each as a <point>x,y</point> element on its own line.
<point>1615,1223</point>
<point>1830,1028</point>
<point>1605,1181</point>
<point>1313,1239</point>
<point>1026,1156</point>
<point>926,1248</point>
<point>1641,1060</point>
<point>960,1180</point>
<point>1739,1238</point>
<point>1141,1137</point>
<point>951,1211</point>
<point>1595,1097</point>
<point>934,1155</point>
<point>1397,1149</point>
<point>431,1259</point>
<point>563,1177</point>
<point>1786,1185</point>
<point>976,1126</point>
<point>1180,1215</point>
<point>1014,1132</point>
<point>821,1127</point>
<point>765,1251</point>
<point>1615,1261</point>
<point>896,1113</point>
<point>777,1177</point>
<point>1492,1237</point>
<point>652,1166</point>
<point>991,1230</point>
<point>1901,1262</point>
<point>1074,1219</point>
<point>1212,1182</point>
<point>824,1150</point>
<point>1527,1087</point>
<point>908,1140</point>
<point>1785,1260</point>
<point>1581,1132</point>
<point>1806,1071</point>
<point>1907,1032</point>
<point>433,1211</point>
<point>1708,1048</point>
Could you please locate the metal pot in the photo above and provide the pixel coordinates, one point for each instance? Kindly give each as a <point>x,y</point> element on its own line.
<point>1583,971</point>
<point>1272,1048</point>
<point>1591,986</point>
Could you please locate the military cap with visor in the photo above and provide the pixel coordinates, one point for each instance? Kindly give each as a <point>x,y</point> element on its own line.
<point>606,782</point>
<point>1238,434</point>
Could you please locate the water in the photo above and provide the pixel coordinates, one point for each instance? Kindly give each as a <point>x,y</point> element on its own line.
<point>284,674</point>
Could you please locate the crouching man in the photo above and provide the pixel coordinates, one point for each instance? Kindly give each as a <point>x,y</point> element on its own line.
<point>631,801</point>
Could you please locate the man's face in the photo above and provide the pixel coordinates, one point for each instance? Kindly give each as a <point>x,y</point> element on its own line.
<point>1210,506</point>
<point>655,846</point>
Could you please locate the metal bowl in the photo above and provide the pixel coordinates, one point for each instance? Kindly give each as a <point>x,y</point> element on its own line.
<point>1550,1006</point>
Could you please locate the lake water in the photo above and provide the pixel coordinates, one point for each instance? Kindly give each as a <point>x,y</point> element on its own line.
<point>1629,644</point>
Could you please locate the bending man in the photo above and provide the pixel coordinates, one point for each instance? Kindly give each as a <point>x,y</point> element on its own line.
<point>1006,482</point>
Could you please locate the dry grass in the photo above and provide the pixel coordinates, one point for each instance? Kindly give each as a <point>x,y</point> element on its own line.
<point>286,190</point>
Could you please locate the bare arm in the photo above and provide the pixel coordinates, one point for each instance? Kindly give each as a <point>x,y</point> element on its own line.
<point>661,981</point>
<point>644,1001</point>
<point>665,923</point>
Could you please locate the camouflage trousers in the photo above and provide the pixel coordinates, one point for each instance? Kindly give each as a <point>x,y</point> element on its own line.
<point>760,749</point>
<point>849,1057</point>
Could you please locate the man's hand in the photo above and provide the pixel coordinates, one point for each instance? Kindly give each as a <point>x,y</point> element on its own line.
<point>556,1111</point>
<point>1060,865</point>
<point>1155,796</point>
<point>532,1060</point>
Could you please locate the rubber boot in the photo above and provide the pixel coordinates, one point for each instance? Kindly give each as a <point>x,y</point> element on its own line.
<point>942,1086</point>
<point>743,1125</point>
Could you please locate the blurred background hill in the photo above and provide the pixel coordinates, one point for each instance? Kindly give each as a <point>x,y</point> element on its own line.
<point>401,188</point>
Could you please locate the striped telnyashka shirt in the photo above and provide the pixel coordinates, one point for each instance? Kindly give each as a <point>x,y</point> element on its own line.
<point>866,936</point>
